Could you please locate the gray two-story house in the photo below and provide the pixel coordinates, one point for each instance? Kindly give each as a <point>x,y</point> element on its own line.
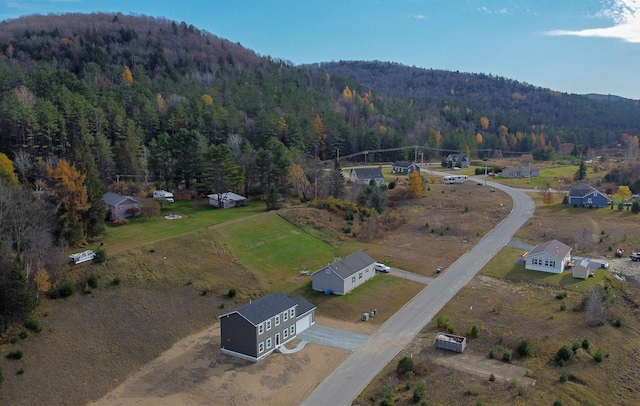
<point>255,330</point>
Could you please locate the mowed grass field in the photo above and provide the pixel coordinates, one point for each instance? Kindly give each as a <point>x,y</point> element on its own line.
<point>196,215</point>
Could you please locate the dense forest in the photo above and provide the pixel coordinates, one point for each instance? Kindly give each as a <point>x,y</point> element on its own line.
<point>88,99</point>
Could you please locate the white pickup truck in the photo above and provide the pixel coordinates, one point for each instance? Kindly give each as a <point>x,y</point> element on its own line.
<point>635,256</point>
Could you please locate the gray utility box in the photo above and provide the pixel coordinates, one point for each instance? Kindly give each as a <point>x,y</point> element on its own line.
<point>451,342</point>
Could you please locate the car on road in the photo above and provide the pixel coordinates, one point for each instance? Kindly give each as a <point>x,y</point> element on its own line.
<point>381,268</point>
<point>439,269</point>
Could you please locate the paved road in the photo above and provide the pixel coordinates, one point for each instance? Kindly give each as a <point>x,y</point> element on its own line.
<point>350,378</point>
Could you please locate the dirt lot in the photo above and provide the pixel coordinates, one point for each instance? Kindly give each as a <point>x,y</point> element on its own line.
<point>195,372</point>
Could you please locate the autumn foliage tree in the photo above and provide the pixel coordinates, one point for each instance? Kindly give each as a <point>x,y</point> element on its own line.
<point>6,170</point>
<point>67,191</point>
<point>624,193</point>
<point>548,198</point>
<point>415,183</point>
<point>126,75</point>
<point>298,178</point>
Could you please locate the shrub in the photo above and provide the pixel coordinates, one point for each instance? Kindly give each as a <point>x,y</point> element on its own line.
<point>418,392</point>
<point>388,399</point>
<point>561,295</point>
<point>101,256</point>
<point>120,221</point>
<point>585,344</point>
<point>492,353</point>
<point>520,391</point>
<point>475,331</point>
<point>232,293</point>
<point>63,289</point>
<point>575,347</point>
<point>20,371</point>
<point>405,364</point>
<point>221,305</point>
<point>392,185</point>
<point>24,333</point>
<point>618,322</point>
<point>514,383</point>
<point>17,354</point>
<point>564,353</point>
<point>33,324</point>
<point>442,321</point>
<point>492,377</point>
<point>558,402</point>
<point>507,355</point>
<point>92,281</point>
<point>564,377</point>
<point>524,348</point>
<point>599,355</point>
<point>116,281</point>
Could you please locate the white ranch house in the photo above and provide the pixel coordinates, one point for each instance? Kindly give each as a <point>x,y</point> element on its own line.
<point>550,256</point>
<point>341,277</point>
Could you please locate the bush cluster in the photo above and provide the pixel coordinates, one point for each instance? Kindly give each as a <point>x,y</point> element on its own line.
<point>62,290</point>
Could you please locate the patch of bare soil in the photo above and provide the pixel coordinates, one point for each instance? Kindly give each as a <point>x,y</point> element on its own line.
<point>195,372</point>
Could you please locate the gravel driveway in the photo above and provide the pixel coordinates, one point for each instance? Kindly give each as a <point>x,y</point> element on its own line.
<point>331,337</point>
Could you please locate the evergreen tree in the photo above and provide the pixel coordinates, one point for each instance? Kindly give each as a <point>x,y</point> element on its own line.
<point>82,158</point>
<point>581,173</point>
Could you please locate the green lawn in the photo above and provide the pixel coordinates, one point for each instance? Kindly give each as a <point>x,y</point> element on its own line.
<point>551,177</point>
<point>505,266</point>
<point>275,249</point>
<point>142,230</point>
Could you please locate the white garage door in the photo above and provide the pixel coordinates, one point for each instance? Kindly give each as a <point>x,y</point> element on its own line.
<point>303,324</point>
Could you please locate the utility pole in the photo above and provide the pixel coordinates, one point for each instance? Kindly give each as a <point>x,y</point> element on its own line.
<point>415,153</point>
<point>338,154</point>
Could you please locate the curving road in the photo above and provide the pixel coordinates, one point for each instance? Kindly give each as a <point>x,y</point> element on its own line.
<point>351,377</point>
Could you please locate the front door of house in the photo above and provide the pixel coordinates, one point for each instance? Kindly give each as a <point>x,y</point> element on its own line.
<point>277,339</point>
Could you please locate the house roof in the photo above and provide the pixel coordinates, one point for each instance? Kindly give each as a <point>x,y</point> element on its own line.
<point>304,305</point>
<point>521,168</point>
<point>455,157</point>
<point>349,265</point>
<point>264,308</point>
<point>364,173</point>
<point>403,164</point>
<point>582,190</point>
<point>554,248</point>
<point>114,199</point>
<point>228,196</point>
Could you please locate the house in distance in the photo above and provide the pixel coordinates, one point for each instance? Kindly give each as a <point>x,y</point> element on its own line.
<point>587,196</point>
<point>404,168</point>
<point>363,176</point>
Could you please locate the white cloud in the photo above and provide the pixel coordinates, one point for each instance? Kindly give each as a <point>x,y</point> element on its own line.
<point>626,17</point>
<point>419,17</point>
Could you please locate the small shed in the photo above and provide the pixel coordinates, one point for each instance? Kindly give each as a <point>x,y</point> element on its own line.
<point>450,342</point>
<point>584,268</point>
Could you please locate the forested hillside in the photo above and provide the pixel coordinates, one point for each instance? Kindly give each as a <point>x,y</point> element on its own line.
<point>587,120</point>
<point>88,99</point>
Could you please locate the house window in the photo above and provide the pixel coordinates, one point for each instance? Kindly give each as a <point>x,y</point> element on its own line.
<point>260,328</point>
<point>552,264</point>
<point>261,347</point>
<point>546,262</point>
<point>268,324</point>
<point>285,333</point>
<point>268,343</point>
<point>285,316</point>
<point>353,279</point>
<point>292,313</point>
<point>277,320</point>
<point>292,329</point>
<point>360,275</point>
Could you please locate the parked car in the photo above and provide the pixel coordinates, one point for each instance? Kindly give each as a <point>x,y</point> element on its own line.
<point>635,256</point>
<point>439,269</point>
<point>381,268</point>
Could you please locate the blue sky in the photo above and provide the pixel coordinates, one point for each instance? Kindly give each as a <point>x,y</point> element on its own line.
<point>575,46</point>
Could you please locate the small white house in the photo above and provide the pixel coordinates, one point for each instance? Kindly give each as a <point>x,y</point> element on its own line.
<point>550,256</point>
<point>226,200</point>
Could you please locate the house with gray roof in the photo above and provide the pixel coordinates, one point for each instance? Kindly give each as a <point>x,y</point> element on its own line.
<point>344,275</point>
<point>226,200</point>
<point>404,167</point>
<point>549,256</point>
<point>121,206</point>
<point>256,329</point>
<point>587,196</point>
<point>520,172</point>
<point>459,160</point>
<point>363,176</point>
